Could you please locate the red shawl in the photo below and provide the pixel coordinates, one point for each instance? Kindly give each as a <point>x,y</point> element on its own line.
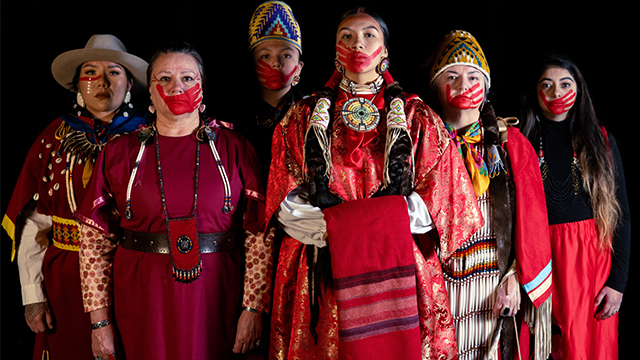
<point>375,278</point>
<point>532,244</point>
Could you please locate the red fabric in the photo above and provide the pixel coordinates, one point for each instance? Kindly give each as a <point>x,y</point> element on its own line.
<point>580,270</point>
<point>178,158</point>
<point>43,152</point>
<point>440,180</point>
<point>531,240</point>
<point>160,319</point>
<point>43,174</point>
<point>71,336</point>
<point>377,305</point>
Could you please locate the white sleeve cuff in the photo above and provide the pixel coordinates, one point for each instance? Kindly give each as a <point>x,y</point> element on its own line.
<point>33,244</point>
<point>419,217</point>
<point>301,220</point>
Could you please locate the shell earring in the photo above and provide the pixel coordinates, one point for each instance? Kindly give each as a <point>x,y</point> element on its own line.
<point>127,97</point>
<point>79,99</point>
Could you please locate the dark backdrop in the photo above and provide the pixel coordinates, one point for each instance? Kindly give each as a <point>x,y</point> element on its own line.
<point>596,35</point>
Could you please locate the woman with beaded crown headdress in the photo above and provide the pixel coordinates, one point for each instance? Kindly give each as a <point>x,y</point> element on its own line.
<point>52,183</point>
<point>587,206</point>
<point>358,169</point>
<point>172,209</point>
<point>484,276</point>
<point>275,52</point>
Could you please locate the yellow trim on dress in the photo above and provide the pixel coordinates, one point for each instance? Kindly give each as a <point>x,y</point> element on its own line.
<point>10,227</point>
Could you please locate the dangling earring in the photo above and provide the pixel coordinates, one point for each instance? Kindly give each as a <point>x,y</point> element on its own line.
<point>79,99</point>
<point>383,66</point>
<point>296,80</point>
<point>339,67</point>
<point>127,97</point>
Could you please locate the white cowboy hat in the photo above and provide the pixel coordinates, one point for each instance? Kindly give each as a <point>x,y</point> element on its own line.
<point>98,48</point>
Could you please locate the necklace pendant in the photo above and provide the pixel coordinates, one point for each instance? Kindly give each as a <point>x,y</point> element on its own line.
<point>360,115</point>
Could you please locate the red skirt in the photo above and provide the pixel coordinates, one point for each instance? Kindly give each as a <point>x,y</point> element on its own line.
<point>71,335</point>
<point>160,319</point>
<point>580,270</point>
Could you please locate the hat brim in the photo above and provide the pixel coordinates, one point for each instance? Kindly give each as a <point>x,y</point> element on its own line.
<point>65,65</point>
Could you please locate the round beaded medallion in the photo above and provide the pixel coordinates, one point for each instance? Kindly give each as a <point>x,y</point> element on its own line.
<point>360,114</point>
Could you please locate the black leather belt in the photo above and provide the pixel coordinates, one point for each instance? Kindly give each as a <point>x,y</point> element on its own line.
<point>159,243</point>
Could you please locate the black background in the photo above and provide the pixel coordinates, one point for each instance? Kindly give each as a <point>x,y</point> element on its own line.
<point>597,35</point>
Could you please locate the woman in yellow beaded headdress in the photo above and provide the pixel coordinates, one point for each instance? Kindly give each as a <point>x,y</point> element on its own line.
<point>484,274</point>
<point>275,48</point>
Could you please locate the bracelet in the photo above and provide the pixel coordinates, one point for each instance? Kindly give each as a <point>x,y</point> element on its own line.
<point>250,309</point>
<point>100,324</point>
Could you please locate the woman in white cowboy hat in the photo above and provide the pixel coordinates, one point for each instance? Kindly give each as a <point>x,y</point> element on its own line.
<point>52,183</point>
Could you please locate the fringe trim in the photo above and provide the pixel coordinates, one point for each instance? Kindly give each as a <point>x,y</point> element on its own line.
<point>319,124</point>
<point>187,276</point>
<point>539,322</point>
<point>494,341</point>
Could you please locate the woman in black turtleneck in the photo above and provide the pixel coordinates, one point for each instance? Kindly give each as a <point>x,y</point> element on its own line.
<point>587,208</point>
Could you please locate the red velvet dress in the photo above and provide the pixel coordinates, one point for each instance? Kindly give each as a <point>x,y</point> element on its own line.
<point>156,317</point>
<point>441,181</point>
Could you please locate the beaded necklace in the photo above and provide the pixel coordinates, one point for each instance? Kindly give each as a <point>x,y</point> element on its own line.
<point>560,195</point>
<point>358,113</point>
<point>182,232</point>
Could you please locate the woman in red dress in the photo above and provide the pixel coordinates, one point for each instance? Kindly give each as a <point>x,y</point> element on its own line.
<point>357,170</point>
<point>173,207</point>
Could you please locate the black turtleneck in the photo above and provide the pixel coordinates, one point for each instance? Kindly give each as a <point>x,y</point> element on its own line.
<point>558,153</point>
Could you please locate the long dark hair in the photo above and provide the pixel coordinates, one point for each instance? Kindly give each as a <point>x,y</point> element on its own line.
<point>588,141</point>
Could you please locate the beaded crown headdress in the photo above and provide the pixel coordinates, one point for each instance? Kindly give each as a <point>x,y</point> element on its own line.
<point>274,20</point>
<point>459,47</point>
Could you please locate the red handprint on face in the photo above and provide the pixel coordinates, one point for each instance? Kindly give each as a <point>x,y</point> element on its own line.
<point>272,78</point>
<point>559,105</point>
<point>353,60</point>
<point>469,99</point>
<point>182,103</point>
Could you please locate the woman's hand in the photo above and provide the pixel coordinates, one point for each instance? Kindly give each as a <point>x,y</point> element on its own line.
<point>103,343</point>
<point>507,299</point>
<point>103,339</point>
<point>249,332</point>
<point>612,300</point>
<point>38,316</point>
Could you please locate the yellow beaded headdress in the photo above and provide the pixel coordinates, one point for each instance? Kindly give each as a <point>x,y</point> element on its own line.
<point>459,48</point>
<point>274,20</point>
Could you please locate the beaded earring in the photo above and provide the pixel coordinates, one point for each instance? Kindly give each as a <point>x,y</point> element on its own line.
<point>339,67</point>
